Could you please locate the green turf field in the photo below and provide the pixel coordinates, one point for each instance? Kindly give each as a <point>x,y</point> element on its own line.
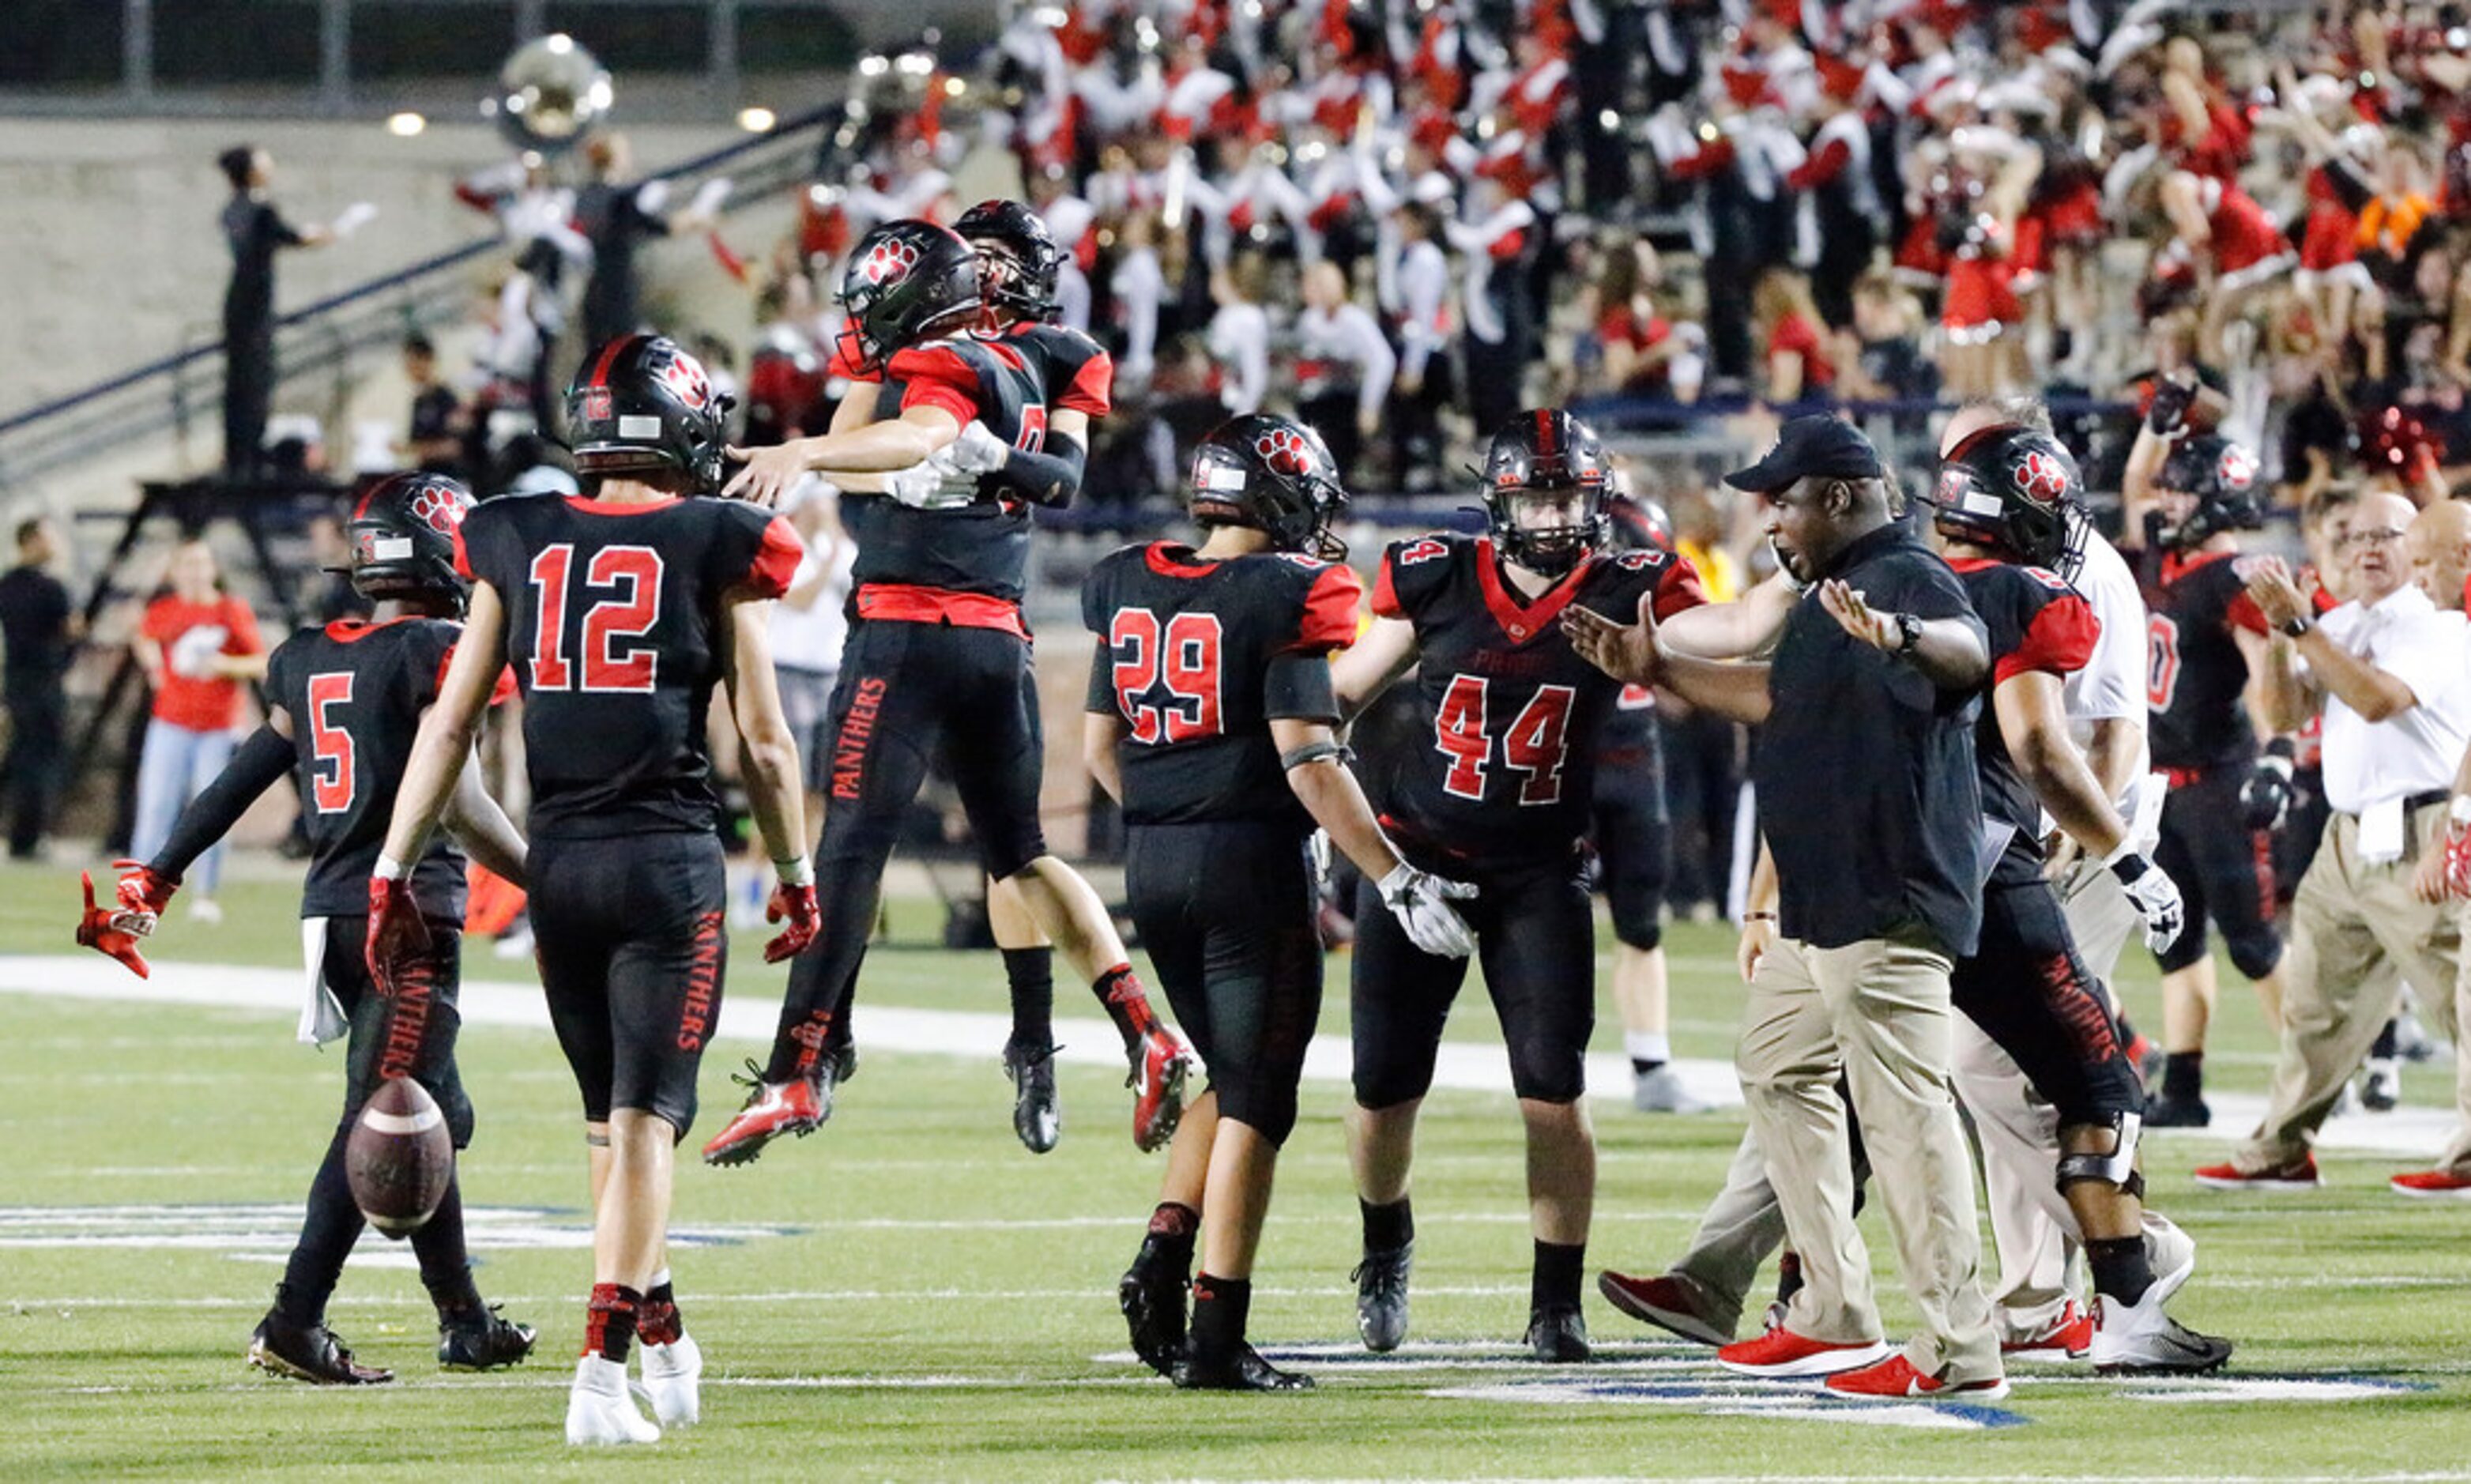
<point>910,1295</point>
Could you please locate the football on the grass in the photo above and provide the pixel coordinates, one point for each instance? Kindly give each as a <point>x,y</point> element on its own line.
<point>399,1157</point>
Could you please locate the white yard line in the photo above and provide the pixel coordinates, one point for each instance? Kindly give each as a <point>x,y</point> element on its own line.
<point>2411,1133</point>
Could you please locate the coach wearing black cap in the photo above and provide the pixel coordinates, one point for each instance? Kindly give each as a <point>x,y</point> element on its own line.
<point>1868,800</point>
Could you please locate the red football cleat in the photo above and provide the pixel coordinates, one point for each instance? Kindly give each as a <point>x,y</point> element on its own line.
<point>772,1109</point>
<point>2432,1185</point>
<point>1159,1065</point>
<point>1895,1377</point>
<point>2068,1337</point>
<point>1667,1302</point>
<point>2300,1174</point>
<point>1781,1352</point>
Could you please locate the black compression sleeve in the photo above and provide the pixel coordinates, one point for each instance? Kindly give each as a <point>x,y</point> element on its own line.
<point>254,767</point>
<point>1048,479</point>
<point>1298,686</point>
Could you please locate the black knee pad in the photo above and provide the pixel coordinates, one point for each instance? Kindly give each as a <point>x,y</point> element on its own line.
<point>1387,1086</point>
<point>1548,1073</point>
<point>2186,950</point>
<point>1636,921</point>
<point>1267,1110</point>
<point>2255,953</point>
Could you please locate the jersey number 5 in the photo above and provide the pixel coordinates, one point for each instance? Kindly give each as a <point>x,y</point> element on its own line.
<point>332,784</point>
<point>1183,655</point>
<point>1533,744</point>
<point>636,568</point>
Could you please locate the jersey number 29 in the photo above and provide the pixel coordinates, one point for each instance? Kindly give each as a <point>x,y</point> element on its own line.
<point>1182,654</point>
<point>1532,744</point>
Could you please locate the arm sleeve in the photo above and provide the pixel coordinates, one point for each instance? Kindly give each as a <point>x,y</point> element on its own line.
<point>254,767</point>
<point>1297,685</point>
<point>1051,477</point>
<point>1385,589</point>
<point>1100,699</point>
<point>777,555</point>
<point>2058,640</point>
<point>1329,612</point>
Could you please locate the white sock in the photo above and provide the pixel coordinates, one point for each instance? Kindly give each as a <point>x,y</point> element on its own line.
<point>1641,1046</point>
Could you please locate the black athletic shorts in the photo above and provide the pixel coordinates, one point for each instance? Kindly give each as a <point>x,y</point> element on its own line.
<point>632,951</point>
<point>411,1035</point>
<point>2031,994</point>
<point>1226,913</point>
<point>1633,840</point>
<point>2223,870</point>
<point>1536,938</point>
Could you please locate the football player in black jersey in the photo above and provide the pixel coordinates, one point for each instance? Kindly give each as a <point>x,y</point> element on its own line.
<point>1499,797</point>
<point>343,705</point>
<point>621,612</point>
<point>1212,718</point>
<point>2188,495</point>
<point>2001,508</point>
<point>938,655</point>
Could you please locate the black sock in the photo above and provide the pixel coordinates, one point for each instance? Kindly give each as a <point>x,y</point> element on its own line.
<point>1555,1282</point>
<point>445,1267</point>
<point>1120,994</point>
<point>1788,1276</point>
<point>1220,1308</point>
<point>1168,1245</point>
<point>2183,1076</point>
<point>1030,975</point>
<point>332,1226</point>
<point>2121,1269</point>
<point>609,1322</point>
<point>1387,1228</point>
<point>2384,1049</point>
<point>659,1322</point>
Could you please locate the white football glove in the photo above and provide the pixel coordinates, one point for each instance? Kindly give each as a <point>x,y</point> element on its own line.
<point>1421,901</point>
<point>977,450</point>
<point>2156,898</point>
<point>936,484</point>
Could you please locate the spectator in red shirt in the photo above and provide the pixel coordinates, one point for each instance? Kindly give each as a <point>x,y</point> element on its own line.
<point>196,644</point>
<point>1797,363</point>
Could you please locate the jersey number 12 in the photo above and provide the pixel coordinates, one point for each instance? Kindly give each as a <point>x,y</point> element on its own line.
<point>634,605</point>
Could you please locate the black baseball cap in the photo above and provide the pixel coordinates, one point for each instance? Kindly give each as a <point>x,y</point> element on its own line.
<point>1813,446</point>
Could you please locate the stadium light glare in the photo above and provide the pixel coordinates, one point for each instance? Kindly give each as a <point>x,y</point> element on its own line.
<point>756,120</point>
<point>405,125</point>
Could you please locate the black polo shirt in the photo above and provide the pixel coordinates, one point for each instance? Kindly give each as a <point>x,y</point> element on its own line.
<point>1866,790</point>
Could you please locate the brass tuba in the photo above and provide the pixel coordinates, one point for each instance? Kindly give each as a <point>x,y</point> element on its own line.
<point>550,92</point>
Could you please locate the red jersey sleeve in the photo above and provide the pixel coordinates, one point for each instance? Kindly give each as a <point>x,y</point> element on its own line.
<point>1679,589</point>
<point>1093,389</point>
<point>2244,613</point>
<point>2058,640</point>
<point>933,376</point>
<point>1331,606</point>
<point>776,560</point>
<point>499,694</point>
<point>1385,596</point>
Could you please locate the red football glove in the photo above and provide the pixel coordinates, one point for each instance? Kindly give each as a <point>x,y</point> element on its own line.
<point>114,930</point>
<point>142,890</point>
<point>396,931</point>
<point>2457,860</point>
<point>797,904</point>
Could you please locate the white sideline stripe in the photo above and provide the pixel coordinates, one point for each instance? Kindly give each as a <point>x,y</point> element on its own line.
<point>2411,1133</point>
<point>419,1123</point>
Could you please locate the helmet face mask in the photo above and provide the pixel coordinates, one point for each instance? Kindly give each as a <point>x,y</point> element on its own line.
<point>644,406</point>
<point>1545,476</point>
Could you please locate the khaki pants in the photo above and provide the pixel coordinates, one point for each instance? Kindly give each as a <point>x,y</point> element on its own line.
<point>1877,1012</point>
<point>2356,932</point>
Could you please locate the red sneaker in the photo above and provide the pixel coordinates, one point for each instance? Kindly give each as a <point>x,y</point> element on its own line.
<point>2068,1337</point>
<point>1781,1352</point>
<point>2432,1185</point>
<point>2300,1174</point>
<point>772,1109</point>
<point>1895,1377</point>
<point>1159,1065</point>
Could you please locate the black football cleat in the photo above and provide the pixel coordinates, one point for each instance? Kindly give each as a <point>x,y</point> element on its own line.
<point>1381,1297</point>
<point>483,1342</point>
<point>1243,1371</point>
<point>2168,1111</point>
<point>1153,1304</point>
<point>1557,1334</point>
<point>1035,1114</point>
<point>308,1353</point>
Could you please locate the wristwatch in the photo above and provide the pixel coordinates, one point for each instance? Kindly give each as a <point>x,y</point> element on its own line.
<point>1909,629</point>
<point>2299,627</point>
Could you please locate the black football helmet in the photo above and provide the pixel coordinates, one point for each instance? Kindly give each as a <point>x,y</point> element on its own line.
<point>2223,477</point>
<point>1018,258</point>
<point>907,281</point>
<point>403,537</point>
<point>641,405</point>
<point>1547,449</point>
<point>1275,475</point>
<point>2014,490</point>
<point>1637,525</point>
